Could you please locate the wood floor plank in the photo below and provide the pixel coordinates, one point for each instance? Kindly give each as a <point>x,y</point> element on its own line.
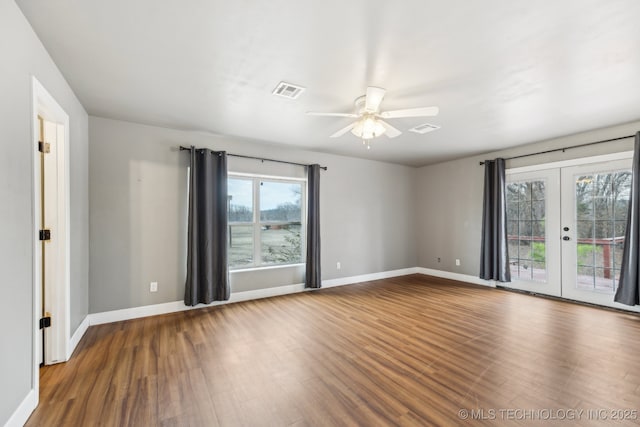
<point>408,351</point>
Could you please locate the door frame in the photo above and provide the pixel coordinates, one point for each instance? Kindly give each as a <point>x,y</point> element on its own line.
<point>574,162</point>
<point>57,347</point>
<point>582,161</point>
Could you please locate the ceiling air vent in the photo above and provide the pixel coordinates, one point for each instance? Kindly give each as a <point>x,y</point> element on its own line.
<point>424,128</point>
<point>287,90</point>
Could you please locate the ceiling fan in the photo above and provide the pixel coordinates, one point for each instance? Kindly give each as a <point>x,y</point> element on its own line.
<point>369,123</point>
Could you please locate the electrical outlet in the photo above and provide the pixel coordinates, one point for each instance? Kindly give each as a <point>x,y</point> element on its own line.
<point>457,262</point>
<point>153,287</point>
<point>338,266</point>
<point>438,259</point>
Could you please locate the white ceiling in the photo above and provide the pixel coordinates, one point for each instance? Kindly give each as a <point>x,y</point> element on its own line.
<point>503,72</point>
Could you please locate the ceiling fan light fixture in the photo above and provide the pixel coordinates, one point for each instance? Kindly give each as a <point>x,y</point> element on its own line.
<point>368,128</point>
<point>371,122</point>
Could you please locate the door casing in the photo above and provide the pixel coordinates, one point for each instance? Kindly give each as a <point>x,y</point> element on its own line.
<point>58,342</point>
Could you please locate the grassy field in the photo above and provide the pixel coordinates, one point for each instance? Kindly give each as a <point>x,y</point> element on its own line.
<point>279,246</point>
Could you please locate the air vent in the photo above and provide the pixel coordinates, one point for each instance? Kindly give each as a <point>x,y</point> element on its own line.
<point>424,128</point>
<point>287,90</point>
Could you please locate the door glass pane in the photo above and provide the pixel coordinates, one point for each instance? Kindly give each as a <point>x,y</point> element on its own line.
<point>526,212</point>
<point>584,194</point>
<point>538,190</point>
<point>602,201</point>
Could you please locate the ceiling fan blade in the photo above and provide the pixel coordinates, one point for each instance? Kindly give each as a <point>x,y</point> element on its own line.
<point>391,132</point>
<point>411,112</point>
<point>343,130</point>
<point>313,113</point>
<point>374,98</point>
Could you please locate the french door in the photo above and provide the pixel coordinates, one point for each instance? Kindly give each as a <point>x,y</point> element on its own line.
<point>566,229</point>
<point>533,230</point>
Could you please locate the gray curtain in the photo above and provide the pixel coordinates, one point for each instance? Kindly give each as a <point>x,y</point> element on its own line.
<point>207,269</point>
<point>494,256</point>
<point>629,286</point>
<point>313,276</point>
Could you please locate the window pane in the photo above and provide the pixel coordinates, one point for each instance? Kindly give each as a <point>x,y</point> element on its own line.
<point>604,280</point>
<point>537,190</point>
<point>537,210</point>
<point>526,230</point>
<point>240,245</point>
<point>280,201</point>
<point>585,279</point>
<point>603,229</point>
<point>586,254</point>
<point>584,231</point>
<point>584,197</point>
<point>524,252</point>
<point>240,200</point>
<point>537,230</point>
<point>281,244</point>
<point>538,251</point>
<point>622,191</point>
<point>526,188</point>
<point>514,267</point>
<point>603,207</point>
<point>512,209</point>
<point>539,272</point>
<point>525,210</point>
<point>617,253</point>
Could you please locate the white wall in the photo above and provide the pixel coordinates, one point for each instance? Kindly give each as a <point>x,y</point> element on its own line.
<point>449,196</point>
<point>23,56</point>
<point>138,202</point>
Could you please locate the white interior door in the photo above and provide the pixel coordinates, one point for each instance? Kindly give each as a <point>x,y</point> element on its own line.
<point>50,276</point>
<point>595,199</point>
<point>533,229</point>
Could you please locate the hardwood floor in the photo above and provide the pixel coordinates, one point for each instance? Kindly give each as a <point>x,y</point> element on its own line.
<point>412,350</point>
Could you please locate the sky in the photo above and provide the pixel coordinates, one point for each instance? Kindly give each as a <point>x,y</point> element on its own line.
<point>272,193</point>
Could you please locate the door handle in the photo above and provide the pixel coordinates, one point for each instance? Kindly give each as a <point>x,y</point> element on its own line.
<point>566,238</point>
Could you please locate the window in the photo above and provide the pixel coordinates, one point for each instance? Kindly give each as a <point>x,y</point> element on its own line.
<point>266,224</point>
<point>526,230</point>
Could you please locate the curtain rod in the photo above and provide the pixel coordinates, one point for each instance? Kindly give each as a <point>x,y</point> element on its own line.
<point>260,158</point>
<point>566,148</point>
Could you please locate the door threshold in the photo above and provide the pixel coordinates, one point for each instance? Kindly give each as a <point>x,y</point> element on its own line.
<point>572,301</point>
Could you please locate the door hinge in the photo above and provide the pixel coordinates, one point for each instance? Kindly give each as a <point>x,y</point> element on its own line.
<point>45,234</point>
<point>45,322</point>
<point>44,147</point>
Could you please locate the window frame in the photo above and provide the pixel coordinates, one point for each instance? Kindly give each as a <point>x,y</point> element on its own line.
<point>257,223</point>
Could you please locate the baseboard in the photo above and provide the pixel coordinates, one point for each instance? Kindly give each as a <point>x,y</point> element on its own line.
<point>24,411</point>
<point>77,336</point>
<point>176,306</point>
<point>456,276</point>
<point>136,312</point>
<point>368,277</point>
